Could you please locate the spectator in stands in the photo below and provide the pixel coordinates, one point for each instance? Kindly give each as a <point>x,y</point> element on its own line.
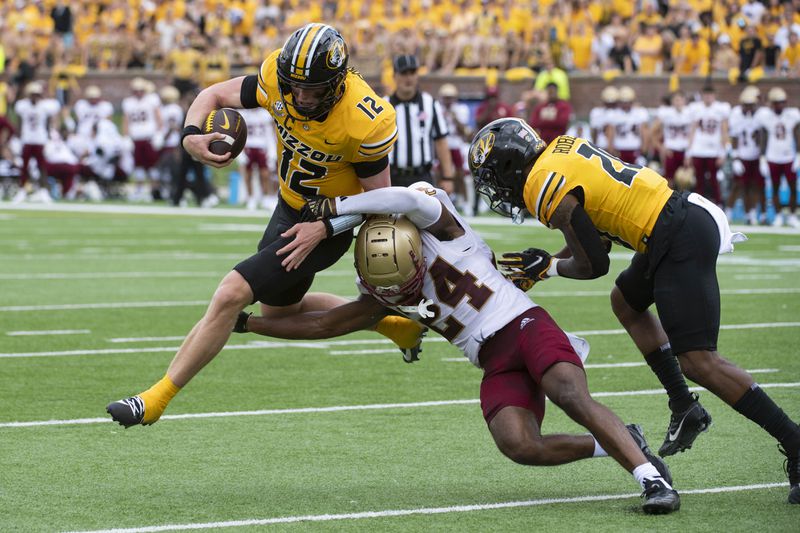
<point>552,74</point>
<point>62,23</point>
<point>725,57</point>
<point>620,56</point>
<point>182,63</point>
<point>551,117</point>
<point>751,52</point>
<point>491,108</point>
<point>789,60</point>
<point>649,49</point>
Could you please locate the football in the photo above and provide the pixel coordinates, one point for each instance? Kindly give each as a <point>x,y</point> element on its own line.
<point>230,123</point>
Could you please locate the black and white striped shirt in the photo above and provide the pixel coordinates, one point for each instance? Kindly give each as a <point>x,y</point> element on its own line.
<point>420,121</point>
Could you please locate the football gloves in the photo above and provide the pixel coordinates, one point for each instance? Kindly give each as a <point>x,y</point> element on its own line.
<point>318,208</point>
<point>525,269</point>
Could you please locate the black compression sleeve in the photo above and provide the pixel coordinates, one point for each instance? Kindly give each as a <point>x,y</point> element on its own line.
<point>590,241</point>
<point>248,92</point>
<point>367,169</point>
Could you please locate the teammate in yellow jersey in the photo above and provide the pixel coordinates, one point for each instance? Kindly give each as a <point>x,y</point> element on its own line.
<point>335,134</point>
<point>594,199</point>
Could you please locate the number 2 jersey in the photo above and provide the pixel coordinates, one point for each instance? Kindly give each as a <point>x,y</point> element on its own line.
<point>471,300</point>
<point>623,200</point>
<point>315,157</point>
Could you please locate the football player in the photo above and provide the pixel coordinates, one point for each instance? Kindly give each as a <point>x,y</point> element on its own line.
<point>593,198</point>
<point>708,139</point>
<point>444,277</point>
<point>745,132</point>
<point>780,141</point>
<point>674,122</point>
<point>334,134</point>
<point>627,129</point>
<point>599,117</point>
<point>141,121</point>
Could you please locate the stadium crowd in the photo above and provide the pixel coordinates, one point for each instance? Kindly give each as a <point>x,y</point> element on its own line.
<point>450,36</point>
<point>57,129</point>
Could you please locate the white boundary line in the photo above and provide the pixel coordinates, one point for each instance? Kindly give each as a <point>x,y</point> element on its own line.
<point>340,408</point>
<point>48,332</point>
<point>418,511</point>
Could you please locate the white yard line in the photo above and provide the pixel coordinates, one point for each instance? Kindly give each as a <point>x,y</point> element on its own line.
<point>341,408</point>
<point>99,276</point>
<point>105,305</point>
<point>321,345</point>
<point>466,508</point>
<point>48,332</point>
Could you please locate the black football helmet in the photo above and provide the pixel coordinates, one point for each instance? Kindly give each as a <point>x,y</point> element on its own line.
<point>499,156</point>
<point>315,56</point>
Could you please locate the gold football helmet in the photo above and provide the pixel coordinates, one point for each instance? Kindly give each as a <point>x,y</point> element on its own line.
<point>389,259</point>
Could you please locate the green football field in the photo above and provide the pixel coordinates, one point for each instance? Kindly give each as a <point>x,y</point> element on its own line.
<point>339,435</point>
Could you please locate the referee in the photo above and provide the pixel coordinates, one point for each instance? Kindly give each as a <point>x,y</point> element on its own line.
<point>421,129</point>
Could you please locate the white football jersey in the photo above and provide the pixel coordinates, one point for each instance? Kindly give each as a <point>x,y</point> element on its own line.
<point>172,124</point>
<point>57,151</point>
<point>780,133</point>
<point>675,125</point>
<point>598,119</point>
<point>628,127</point>
<point>260,130</point>
<point>87,113</point>
<point>34,118</point>
<point>141,114</point>
<point>470,298</point>
<point>707,141</point>
<point>456,113</point>
<point>743,128</point>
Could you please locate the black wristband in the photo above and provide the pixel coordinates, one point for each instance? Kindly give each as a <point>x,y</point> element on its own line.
<point>191,129</point>
<point>328,227</point>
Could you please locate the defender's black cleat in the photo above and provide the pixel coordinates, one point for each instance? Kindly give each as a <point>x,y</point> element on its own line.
<point>638,437</point>
<point>658,499</point>
<point>128,412</point>
<point>412,354</point>
<point>792,468</point>
<point>684,428</point>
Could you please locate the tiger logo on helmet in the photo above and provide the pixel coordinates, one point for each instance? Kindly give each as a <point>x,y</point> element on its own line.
<point>314,57</point>
<point>389,260</point>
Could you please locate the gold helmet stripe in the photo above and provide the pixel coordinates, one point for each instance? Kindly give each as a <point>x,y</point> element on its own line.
<point>302,54</point>
<point>299,46</point>
<point>313,49</point>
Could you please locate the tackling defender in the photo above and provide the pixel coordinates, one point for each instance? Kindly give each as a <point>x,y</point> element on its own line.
<point>589,195</point>
<point>444,277</point>
<point>335,134</point>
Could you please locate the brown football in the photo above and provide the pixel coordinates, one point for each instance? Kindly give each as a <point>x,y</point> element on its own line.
<point>230,123</point>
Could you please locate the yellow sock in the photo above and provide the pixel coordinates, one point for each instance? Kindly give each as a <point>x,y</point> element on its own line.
<point>156,399</point>
<point>404,332</point>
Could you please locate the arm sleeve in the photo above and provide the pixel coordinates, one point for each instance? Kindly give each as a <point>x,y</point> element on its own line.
<point>420,208</point>
<point>367,169</point>
<point>248,92</point>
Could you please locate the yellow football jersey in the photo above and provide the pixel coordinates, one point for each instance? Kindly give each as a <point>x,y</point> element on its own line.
<point>622,199</point>
<point>316,156</point>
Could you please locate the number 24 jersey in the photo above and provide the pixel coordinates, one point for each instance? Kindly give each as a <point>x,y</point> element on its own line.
<point>623,200</point>
<point>316,157</point>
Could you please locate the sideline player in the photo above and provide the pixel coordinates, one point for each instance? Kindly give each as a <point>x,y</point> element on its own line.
<point>575,187</point>
<point>744,132</point>
<point>525,356</point>
<point>780,141</point>
<point>335,134</point>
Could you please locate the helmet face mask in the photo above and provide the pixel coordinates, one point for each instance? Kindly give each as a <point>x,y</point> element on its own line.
<point>500,156</point>
<point>389,260</point>
<point>313,58</point>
